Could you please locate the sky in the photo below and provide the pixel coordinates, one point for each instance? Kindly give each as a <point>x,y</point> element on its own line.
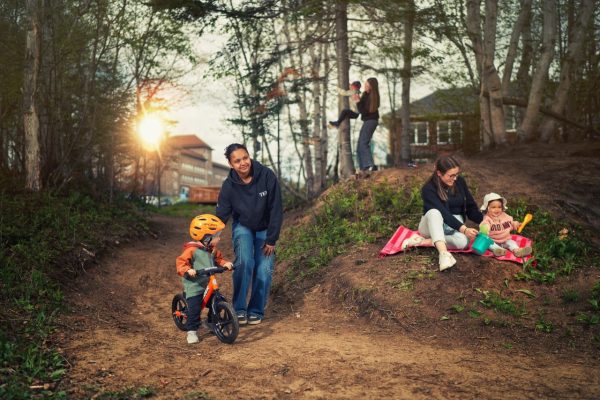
<point>206,105</point>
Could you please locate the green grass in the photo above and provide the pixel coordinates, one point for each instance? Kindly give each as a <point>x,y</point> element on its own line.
<point>351,215</point>
<point>495,301</point>
<point>189,210</point>
<point>40,236</point>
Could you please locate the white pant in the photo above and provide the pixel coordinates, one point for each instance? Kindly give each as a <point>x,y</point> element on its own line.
<point>432,226</point>
<point>508,245</point>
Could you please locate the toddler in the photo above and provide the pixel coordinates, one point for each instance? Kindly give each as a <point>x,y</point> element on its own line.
<point>499,225</point>
<point>354,96</point>
<point>199,254</point>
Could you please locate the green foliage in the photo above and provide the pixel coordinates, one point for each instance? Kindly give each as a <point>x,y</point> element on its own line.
<point>570,296</point>
<point>40,236</point>
<point>555,254</point>
<point>407,283</point>
<point>495,301</point>
<point>188,210</point>
<point>544,326</point>
<point>351,215</point>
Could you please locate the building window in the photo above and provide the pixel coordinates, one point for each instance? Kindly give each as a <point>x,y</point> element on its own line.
<point>449,132</point>
<point>418,133</point>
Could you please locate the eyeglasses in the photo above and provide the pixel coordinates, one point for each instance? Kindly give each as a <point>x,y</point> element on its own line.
<point>453,176</point>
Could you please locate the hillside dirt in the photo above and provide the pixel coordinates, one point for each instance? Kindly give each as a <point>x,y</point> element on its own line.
<point>369,328</point>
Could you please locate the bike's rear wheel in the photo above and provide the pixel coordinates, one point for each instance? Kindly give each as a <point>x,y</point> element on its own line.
<point>224,323</point>
<point>179,311</point>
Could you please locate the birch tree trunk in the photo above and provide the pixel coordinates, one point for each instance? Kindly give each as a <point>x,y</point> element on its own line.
<point>474,32</point>
<point>343,77</point>
<point>527,129</point>
<point>524,17</point>
<point>490,74</point>
<point>409,22</point>
<point>317,116</point>
<point>30,87</point>
<point>569,64</point>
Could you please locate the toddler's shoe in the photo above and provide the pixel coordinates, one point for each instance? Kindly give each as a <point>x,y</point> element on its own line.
<point>498,251</point>
<point>412,241</point>
<point>447,260</point>
<point>522,251</point>
<point>192,337</point>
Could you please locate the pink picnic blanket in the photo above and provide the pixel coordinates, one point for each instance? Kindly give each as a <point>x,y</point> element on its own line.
<point>393,246</point>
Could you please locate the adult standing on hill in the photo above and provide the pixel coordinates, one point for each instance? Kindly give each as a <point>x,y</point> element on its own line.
<point>251,194</point>
<point>368,106</point>
<point>447,203</point>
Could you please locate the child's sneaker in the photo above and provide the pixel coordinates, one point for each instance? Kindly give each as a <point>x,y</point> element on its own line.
<point>499,251</point>
<point>447,260</point>
<point>192,337</point>
<point>242,319</point>
<point>522,251</point>
<point>254,320</point>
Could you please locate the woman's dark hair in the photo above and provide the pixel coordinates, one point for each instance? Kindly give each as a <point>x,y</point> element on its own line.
<point>442,164</point>
<point>233,147</point>
<point>374,95</point>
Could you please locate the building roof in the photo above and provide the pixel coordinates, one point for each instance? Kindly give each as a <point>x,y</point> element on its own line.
<point>193,154</point>
<point>221,166</point>
<point>187,142</point>
<point>446,101</point>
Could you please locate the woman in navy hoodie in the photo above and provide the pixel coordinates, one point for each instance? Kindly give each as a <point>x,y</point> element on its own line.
<point>251,194</point>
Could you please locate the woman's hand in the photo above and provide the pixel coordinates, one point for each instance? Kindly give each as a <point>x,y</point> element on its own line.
<point>471,233</point>
<point>268,249</point>
<point>191,272</point>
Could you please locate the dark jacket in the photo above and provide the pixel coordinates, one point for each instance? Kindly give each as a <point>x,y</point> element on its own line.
<point>256,205</point>
<point>460,202</point>
<point>363,108</point>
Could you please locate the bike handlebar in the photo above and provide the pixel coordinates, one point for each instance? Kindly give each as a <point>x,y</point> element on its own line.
<point>213,270</point>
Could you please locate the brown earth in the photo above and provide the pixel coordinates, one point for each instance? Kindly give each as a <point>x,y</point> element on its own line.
<point>387,328</point>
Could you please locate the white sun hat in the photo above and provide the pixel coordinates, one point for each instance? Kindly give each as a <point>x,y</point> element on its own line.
<point>491,197</point>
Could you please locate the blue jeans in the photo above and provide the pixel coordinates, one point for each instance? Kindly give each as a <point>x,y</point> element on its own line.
<point>365,158</point>
<point>252,269</point>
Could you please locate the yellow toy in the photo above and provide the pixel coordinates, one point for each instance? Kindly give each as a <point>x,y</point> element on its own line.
<point>526,220</point>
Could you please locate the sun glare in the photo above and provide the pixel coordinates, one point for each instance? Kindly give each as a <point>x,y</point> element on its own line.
<point>150,130</point>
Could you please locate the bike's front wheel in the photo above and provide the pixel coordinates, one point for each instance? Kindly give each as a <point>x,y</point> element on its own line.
<point>225,323</point>
<point>179,311</point>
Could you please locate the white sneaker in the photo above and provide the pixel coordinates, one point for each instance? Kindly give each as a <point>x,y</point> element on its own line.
<point>499,251</point>
<point>522,252</point>
<point>446,260</point>
<point>192,337</point>
<point>412,241</point>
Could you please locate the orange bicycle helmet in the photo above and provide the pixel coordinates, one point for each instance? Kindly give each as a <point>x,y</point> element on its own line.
<point>205,224</point>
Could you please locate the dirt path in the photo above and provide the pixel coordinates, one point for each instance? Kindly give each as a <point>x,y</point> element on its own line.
<point>121,336</point>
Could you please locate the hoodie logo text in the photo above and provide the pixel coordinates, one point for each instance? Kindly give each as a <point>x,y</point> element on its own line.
<point>262,194</point>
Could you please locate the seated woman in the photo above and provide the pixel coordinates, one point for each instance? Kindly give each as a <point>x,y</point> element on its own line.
<point>447,203</point>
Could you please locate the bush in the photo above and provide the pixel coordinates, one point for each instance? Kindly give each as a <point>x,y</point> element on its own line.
<point>40,235</point>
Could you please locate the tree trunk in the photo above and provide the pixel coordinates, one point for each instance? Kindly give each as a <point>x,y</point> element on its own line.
<point>524,17</point>
<point>409,25</point>
<point>527,129</point>
<point>343,75</point>
<point>569,64</point>
<point>30,87</point>
<point>317,116</point>
<point>490,75</point>
<point>473,22</point>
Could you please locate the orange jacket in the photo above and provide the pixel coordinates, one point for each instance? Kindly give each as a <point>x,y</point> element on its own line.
<point>184,261</point>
